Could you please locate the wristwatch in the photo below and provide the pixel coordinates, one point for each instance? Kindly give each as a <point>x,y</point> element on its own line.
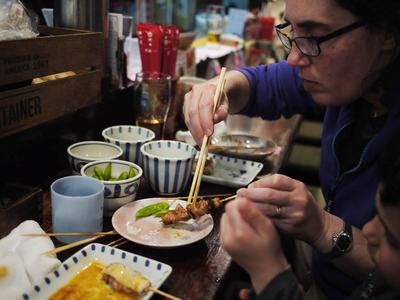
<point>342,242</point>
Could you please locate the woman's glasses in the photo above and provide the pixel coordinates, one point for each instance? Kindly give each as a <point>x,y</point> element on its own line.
<point>309,45</point>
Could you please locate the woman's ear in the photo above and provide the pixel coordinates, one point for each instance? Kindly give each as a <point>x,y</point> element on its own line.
<point>389,42</point>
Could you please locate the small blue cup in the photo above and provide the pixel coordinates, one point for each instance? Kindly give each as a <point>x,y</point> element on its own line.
<point>77,206</point>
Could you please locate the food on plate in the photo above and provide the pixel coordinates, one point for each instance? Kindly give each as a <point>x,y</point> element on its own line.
<point>126,280</point>
<point>105,174</point>
<point>194,210</point>
<point>208,166</point>
<point>89,284</point>
<point>152,209</point>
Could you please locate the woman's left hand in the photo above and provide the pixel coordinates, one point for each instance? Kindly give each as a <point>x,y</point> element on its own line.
<point>290,205</point>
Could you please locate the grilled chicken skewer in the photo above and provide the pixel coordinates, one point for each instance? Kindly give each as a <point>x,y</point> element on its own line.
<point>194,210</point>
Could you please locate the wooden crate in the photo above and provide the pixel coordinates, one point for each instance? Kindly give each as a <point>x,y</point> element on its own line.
<point>34,104</point>
<point>23,104</point>
<point>56,50</point>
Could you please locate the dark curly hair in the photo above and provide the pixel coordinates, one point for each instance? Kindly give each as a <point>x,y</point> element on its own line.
<point>389,174</point>
<point>383,15</point>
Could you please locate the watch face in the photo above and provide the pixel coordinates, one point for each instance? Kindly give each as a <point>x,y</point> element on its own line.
<point>343,242</point>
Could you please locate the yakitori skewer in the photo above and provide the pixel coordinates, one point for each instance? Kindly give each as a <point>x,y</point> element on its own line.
<point>71,233</point>
<point>75,244</point>
<point>193,210</point>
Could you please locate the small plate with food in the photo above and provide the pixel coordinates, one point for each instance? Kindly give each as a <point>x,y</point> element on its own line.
<point>242,145</point>
<point>101,272</point>
<point>163,223</point>
<point>229,171</point>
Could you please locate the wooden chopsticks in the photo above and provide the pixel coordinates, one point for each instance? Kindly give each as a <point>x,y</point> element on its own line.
<point>194,189</point>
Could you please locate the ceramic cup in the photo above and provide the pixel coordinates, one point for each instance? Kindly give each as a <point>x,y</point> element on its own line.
<point>129,138</point>
<point>77,206</point>
<point>81,153</point>
<point>167,165</point>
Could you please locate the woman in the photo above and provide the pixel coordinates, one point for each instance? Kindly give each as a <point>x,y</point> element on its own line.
<point>242,223</point>
<point>344,56</point>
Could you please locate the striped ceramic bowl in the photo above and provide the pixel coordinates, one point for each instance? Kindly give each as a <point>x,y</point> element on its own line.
<point>167,165</point>
<point>129,138</point>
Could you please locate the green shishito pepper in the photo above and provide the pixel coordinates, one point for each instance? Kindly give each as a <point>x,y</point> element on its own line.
<point>152,209</point>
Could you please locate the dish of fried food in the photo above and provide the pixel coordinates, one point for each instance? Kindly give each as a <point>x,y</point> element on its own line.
<point>89,284</point>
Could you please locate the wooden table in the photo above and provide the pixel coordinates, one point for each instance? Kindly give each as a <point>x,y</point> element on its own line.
<point>200,268</point>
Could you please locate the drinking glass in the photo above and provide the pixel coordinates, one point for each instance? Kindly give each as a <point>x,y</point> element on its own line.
<point>215,22</point>
<point>152,101</point>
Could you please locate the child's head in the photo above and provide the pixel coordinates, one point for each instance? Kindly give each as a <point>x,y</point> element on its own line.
<point>383,232</point>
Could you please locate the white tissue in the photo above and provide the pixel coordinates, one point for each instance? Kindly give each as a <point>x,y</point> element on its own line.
<point>25,255</point>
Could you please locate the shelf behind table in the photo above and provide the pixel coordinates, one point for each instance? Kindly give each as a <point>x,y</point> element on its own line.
<point>200,270</point>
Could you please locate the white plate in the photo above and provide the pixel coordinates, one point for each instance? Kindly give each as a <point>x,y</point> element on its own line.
<point>150,231</point>
<point>241,145</point>
<point>154,270</point>
<point>232,172</point>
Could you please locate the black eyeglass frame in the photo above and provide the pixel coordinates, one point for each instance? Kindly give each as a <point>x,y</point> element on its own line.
<point>317,39</point>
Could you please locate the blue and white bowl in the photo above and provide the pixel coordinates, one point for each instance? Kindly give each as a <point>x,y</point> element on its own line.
<point>167,165</point>
<point>79,154</point>
<point>117,192</point>
<point>130,139</point>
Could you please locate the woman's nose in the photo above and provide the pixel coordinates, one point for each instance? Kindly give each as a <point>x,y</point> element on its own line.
<point>296,58</point>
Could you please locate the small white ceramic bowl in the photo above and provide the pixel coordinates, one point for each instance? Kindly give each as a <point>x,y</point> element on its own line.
<point>116,192</point>
<point>79,154</point>
<point>167,165</point>
<point>130,139</point>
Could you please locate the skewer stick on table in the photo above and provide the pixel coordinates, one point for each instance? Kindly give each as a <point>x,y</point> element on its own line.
<point>194,189</point>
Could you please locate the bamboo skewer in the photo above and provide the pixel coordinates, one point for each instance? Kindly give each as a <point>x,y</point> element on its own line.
<point>72,245</point>
<point>201,196</point>
<point>120,244</point>
<point>227,199</point>
<point>194,189</point>
<point>71,233</point>
<point>164,294</point>
<point>116,241</point>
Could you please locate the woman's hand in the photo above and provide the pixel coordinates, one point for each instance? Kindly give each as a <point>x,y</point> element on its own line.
<point>198,110</point>
<point>199,103</point>
<point>252,241</point>
<point>290,205</point>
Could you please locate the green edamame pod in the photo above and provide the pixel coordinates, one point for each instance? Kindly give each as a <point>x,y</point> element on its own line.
<point>99,173</point>
<point>107,172</point>
<point>132,172</point>
<point>123,175</point>
<point>152,209</point>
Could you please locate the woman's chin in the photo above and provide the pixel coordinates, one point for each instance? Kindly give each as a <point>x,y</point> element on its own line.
<point>326,99</point>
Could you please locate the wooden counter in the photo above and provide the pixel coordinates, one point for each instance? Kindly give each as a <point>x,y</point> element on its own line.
<point>199,269</point>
